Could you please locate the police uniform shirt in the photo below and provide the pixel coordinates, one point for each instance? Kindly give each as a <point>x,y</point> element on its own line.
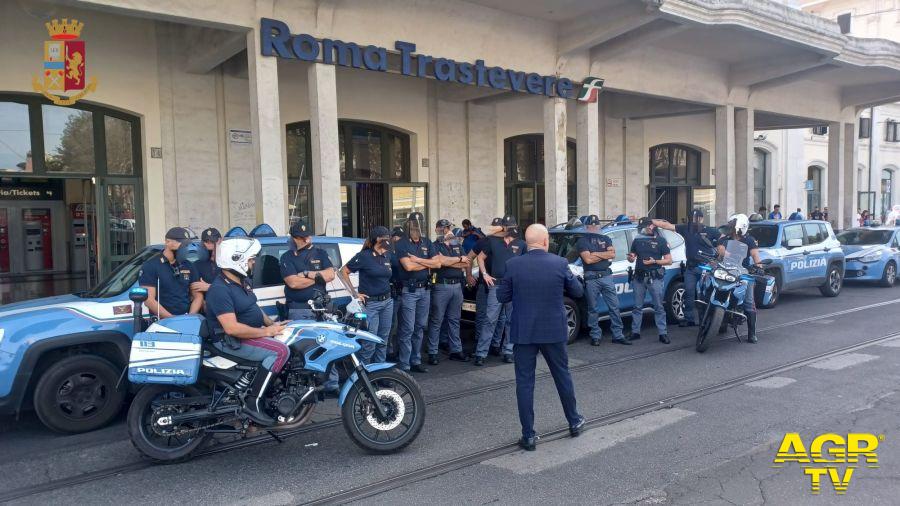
<point>172,282</point>
<point>207,269</point>
<point>456,251</point>
<point>396,268</point>
<point>406,247</point>
<point>225,296</point>
<point>374,272</point>
<point>497,252</point>
<point>594,243</point>
<point>751,245</point>
<point>646,247</point>
<point>693,241</point>
<point>296,262</point>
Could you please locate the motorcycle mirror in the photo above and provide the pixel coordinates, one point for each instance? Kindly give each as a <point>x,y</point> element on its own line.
<point>767,261</point>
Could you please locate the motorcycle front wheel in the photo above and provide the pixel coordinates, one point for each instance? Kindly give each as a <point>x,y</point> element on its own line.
<point>402,398</point>
<point>169,443</point>
<point>712,320</point>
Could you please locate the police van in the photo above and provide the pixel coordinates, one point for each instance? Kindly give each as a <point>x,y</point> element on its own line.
<point>562,242</point>
<point>63,355</point>
<point>804,253</point>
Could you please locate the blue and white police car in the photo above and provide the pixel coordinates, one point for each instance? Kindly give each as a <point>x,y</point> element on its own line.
<point>63,356</point>
<point>804,253</point>
<point>872,254</point>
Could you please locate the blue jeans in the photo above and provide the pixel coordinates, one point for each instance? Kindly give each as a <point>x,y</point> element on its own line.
<point>446,308</point>
<point>413,319</point>
<point>604,288</point>
<point>691,277</point>
<point>655,287</point>
<point>380,315</point>
<point>395,324</point>
<point>494,322</point>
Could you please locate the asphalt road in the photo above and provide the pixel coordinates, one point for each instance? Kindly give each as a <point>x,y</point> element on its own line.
<point>713,446</point>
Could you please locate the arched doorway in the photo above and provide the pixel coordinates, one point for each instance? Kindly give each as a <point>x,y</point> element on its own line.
<point>813,188</point>
<point>675,183</point>
<point>375,176</point>
<point>71,206</point>
<point>524,178</point>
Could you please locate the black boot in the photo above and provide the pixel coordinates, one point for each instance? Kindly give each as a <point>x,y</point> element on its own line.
<point>751,328</point>
<point>253,402</point>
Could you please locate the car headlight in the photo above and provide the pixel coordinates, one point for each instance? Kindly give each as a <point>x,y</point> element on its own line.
<point>871,257</point>
<point>723,275</point>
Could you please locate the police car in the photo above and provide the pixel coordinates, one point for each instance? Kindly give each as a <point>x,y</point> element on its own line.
<point>872,254</point>
<point>63,356</point>
<point>804,253</point>
<point>563,239</point>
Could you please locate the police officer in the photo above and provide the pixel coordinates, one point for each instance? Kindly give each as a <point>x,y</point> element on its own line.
<point>373,264</point>
<point>597,252</point>
<point>492,258</point>
<point>447,293</point>
<point>495,229</point>
<point>699,240</point>
<point>396,290</point>
<point>416,255</point>
<point>650,253</point>
<point>207,268</point>
<point>305,270</point>
<point>168,279</point>
<point>737,227</point>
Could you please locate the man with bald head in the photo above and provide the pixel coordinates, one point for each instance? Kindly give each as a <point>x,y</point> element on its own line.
<point>535,284</point>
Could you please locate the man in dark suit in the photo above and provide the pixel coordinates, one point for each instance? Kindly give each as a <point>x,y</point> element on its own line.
<point>535,283</point>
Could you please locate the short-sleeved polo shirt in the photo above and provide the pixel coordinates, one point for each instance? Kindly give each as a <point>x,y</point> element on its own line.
<point>172,281</point>
<point>299,261</point>
<point>374,272</point>
<point>497,252</point>
<point>207,269</point>
<point>225,296</point>
<point>645,246</point>
<point>406,247</point>
<point>449,250</point>
<point>594,243</point>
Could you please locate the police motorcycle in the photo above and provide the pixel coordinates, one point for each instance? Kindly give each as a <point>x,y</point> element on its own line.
<point>721,290</point>
<point>193,393</point>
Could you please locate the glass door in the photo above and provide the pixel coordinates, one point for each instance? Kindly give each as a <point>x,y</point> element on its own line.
<point>120,221</point>
<point>406,199</point>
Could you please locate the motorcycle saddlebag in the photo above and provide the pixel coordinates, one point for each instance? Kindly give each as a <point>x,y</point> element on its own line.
<point>169,358</point>
<point>769,287</point>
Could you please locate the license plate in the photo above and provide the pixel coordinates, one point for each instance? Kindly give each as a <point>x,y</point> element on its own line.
<point>468,306</point>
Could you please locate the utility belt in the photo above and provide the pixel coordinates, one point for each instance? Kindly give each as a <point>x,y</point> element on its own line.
<point>650,275</point>
<point>231,343</point>
<point>588,275</point>
<point>448,281</point>
<point>413,285</point>
<point>379,298</point>
<point>297,305</point>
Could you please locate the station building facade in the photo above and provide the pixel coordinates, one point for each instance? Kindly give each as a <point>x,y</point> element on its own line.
<point>230,114</point>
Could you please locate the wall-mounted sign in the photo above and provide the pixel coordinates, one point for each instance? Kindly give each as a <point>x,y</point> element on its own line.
<point>65,60</point>
<point>276,40</point>
<point>240,136</point>
<point>155,152</point>
<point>613,182</point>
<point>30,192</point>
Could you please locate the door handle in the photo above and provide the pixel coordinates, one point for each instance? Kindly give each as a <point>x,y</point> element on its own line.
<point>806,253</point>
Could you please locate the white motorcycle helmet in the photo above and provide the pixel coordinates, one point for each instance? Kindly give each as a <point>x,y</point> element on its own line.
<point>235,254</point>
<point>740,222</point>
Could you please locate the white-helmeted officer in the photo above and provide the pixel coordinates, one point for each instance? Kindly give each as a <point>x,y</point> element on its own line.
<point>738,224</point>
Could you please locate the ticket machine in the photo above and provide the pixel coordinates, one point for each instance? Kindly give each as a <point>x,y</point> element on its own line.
<point>34,246</point>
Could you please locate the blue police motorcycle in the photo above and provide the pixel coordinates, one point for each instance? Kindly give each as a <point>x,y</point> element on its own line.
<point>192,392</point>
<point>721,291</point>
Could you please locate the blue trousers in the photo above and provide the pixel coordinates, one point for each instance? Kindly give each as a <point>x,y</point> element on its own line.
<point>395,323</point>
<point>379,315</point>
<point>413,319</point>
<point>655,287</point>
<point>493,324</point>
<point>446,308</point>
<point>604,288</point>
<point>691,277</point>
<point>557,359</point>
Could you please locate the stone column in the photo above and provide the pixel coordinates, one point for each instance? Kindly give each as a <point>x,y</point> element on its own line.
<point>268,133</point>
<point>724,163</point>
<point>851,136</point>
<point>588,146</point>
<point>743,162</point>
<point>485,172</point>
<point>555,182</point>
<point>326,170</point>
<point>835,173</point>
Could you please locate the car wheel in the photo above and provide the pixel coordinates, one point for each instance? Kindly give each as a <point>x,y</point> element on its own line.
<point>573,319</point>
<point>889,277</point>
<point>760,291</point>
<point>834,280</point>
<point>78,394</point>
<point>675,301</point>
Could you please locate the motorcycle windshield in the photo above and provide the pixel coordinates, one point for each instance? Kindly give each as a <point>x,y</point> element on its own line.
<point>735,253</point>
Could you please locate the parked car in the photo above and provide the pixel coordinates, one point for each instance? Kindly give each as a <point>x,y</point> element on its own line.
<point>872,254</point>
<point>63,356</point>
<point>804,253</point>
<point>562,243</point>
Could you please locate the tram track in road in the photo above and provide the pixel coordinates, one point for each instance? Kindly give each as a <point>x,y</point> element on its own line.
<point>474,458</point>
<point>139,465</point>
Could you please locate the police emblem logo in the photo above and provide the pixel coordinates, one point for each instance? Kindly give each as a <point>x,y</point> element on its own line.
<point>65,64</point>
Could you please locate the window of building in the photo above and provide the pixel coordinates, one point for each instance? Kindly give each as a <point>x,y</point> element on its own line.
<point>865,128</point>
<point>15,138</point>
<point>887,185</point>
<point>892,131</point>
<point>814,187</point>
<point>819,130</point>
<point>844,22</point>
<point>524,174</point>
<point>674,164</point>
<point>760,162</point>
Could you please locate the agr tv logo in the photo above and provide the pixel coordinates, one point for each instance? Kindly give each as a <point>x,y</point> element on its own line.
<point>831,456</point>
